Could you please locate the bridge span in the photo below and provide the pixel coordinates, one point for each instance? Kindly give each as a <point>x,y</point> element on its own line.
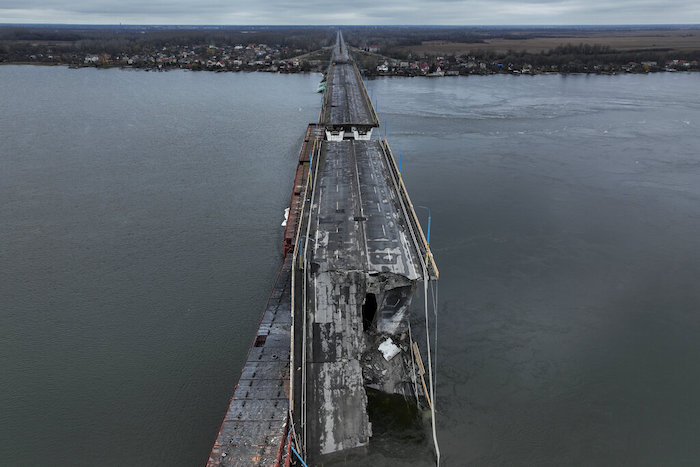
<point>347,109</point>
<point>354,255</point>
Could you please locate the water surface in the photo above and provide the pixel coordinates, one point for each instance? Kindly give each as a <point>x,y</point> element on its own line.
<point>567,231</point>
<point>140,237</point>
<point>139,241</point>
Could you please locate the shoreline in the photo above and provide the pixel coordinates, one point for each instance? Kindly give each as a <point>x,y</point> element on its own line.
<point>384,51</point>
<point>369,76</point>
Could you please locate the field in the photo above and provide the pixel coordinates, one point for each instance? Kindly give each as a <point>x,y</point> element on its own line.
<point>625,40</point>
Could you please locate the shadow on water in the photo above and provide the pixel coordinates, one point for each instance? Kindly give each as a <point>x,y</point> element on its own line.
<point>395,417</point>
<point>400,435</point>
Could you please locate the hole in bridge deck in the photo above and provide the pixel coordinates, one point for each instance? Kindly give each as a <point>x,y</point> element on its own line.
<point>260,341</point>
<point>369,310</point>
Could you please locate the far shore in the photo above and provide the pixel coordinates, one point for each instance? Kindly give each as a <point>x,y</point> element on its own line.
<point>371,74</point>
<point>379,51</point>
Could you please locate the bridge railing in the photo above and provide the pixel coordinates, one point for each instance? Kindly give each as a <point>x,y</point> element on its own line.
<point>370,104</point>
<point>421,243</point>
<point>297,393</point>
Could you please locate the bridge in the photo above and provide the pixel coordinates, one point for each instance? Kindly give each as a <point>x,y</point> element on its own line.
<point>346,105</point>
<point>336,323</point>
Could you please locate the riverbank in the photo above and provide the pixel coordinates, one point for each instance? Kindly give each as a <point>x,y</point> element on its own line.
<point>432,52</point>
<point>379,71</point>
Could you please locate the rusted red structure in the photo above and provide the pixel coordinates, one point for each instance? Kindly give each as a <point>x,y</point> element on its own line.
<point>302,174</point>
<point>254,429</point>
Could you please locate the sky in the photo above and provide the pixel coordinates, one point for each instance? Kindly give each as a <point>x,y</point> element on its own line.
<point>356,12</point>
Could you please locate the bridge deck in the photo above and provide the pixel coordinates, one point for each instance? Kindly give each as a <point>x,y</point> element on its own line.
<point>254,427</point>
<point>346,102</point>
<point>360,245</point>
<point>357,218</point>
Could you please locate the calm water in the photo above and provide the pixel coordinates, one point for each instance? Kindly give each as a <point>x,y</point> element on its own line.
<point>140,236</point>
<point>566,224</point>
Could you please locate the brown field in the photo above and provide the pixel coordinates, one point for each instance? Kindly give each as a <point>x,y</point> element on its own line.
<point>680,40</point>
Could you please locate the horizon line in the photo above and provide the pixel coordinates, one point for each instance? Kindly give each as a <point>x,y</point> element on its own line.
<point>543,25</point>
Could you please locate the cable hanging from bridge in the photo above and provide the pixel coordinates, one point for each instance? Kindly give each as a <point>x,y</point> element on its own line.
<point>426,279</point>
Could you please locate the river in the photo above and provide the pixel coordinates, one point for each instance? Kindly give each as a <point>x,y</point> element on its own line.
<point>141,235</point>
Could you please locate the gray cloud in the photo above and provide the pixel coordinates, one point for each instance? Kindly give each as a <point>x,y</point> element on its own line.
<point>455,12</point>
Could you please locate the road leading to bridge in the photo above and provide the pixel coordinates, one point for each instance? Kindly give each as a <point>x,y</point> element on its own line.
<point>346,105</point>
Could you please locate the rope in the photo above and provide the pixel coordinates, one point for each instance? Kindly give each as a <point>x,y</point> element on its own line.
<point>413,365</point>
<point>434,292</point>
<point>430,366</point>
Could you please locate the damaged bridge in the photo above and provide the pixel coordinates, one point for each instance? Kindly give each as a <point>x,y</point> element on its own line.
<point>336,324</point>
<point>360,254</point>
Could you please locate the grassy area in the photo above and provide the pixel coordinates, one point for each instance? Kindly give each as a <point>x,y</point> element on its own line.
<point>681,40</point>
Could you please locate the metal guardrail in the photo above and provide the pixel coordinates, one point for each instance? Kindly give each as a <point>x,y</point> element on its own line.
<point>421,243</point>
<point>364,89</point>
<point>299,265</point>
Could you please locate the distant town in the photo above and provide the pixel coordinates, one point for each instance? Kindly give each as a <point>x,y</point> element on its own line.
<point>381,51</point>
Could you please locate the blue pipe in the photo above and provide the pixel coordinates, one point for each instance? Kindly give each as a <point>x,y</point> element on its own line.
<point>300,459</point>
<point>289,437</point>
<point>428,229</point>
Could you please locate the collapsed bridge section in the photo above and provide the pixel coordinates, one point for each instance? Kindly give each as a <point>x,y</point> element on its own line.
<point>358,262</point>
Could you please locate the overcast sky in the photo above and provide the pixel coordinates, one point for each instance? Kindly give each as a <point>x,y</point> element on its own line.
<point>452,12</point>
